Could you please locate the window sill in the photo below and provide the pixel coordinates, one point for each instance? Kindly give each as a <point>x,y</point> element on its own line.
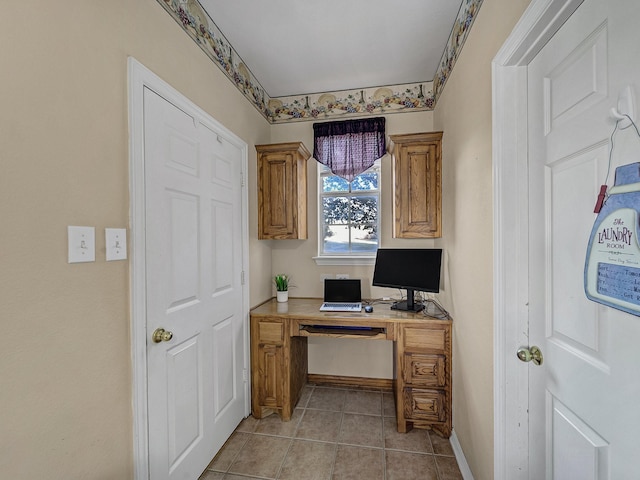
<point>345,260</point>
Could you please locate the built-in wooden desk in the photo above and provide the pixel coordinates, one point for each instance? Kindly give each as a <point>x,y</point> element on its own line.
<point>422,356</point>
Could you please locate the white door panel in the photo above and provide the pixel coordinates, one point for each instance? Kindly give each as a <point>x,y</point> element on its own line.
<point>223,348</point>
<point>579,397</point>
<point>578,82</point>
<point>185,407</point>
<point>223,247</point>
<point>181,251</point>
<point>570,437</point>
<point>193,277</point>
<point>573,318</point>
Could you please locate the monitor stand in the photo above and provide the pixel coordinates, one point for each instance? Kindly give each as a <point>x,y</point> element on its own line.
<point>408,305</point>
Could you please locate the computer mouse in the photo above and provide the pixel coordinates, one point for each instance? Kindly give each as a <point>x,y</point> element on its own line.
<point>368,308</point>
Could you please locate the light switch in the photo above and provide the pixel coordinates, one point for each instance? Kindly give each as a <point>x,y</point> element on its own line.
<point>82,244</point>
<point>116,242</point>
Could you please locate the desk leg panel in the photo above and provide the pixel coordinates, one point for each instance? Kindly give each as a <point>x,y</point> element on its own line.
<point>256,375</point>
<point>295,372</point>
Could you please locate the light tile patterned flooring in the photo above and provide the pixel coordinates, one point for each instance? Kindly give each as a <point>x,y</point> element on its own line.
<point>334,433</point>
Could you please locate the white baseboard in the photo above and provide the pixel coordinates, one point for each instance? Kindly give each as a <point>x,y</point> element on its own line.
<point>462,462</point>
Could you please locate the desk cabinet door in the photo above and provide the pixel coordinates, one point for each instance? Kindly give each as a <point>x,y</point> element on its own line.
<point>422,404</point>
<point>425,370</point>
<point>270,363</point>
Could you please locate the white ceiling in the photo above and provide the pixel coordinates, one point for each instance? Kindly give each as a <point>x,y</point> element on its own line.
<point>302,46</point>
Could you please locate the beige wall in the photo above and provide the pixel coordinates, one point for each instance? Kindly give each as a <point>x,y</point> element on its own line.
<point>463,112</point>
<point>65,361</point>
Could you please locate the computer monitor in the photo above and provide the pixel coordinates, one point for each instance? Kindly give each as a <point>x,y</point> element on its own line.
<point>411,269</point>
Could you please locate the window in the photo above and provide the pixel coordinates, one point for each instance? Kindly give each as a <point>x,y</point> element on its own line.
<point>349,213</point>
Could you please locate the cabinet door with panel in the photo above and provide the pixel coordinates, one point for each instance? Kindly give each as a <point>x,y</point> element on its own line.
<point>282,191</point>
<point>270,385</point>
<point>425,370</point>
<point>427,405</point>
<point>417,185</point>
<point>267,351</point>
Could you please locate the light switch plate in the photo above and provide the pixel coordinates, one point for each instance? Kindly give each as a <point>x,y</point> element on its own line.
<point>116,242</point>
<point>82,244</point>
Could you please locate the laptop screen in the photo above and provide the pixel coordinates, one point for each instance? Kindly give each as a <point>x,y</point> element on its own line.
<point>342,290</point>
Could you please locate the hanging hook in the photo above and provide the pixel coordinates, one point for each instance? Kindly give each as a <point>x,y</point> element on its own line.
<point>625,111</point>
<point>623,120</point>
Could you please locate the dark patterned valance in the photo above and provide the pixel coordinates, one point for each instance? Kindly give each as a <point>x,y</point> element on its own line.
<point>350,147</point>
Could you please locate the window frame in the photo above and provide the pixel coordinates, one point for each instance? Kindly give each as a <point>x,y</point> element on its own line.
<point>350,258</point>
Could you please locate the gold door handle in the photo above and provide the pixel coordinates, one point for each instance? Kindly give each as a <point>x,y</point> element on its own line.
<point>533,354</point>
<point>161,335</point>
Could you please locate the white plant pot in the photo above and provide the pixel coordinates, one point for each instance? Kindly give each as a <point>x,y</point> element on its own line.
<point>282,296</point>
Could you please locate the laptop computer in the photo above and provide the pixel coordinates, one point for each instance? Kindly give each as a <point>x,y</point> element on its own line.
<point>342,295</point>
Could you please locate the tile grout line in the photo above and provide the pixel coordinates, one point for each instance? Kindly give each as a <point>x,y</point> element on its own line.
<point>284,459</point>
<point>235,457</point>
<point>337,445</point>
<point>384,443</point>
<point>294,434</point>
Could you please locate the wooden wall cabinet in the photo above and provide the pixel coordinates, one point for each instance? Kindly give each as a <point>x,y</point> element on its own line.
<point>417,185</point>
<point>282,191</point>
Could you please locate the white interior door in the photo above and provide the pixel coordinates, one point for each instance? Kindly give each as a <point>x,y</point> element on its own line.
<point>583,399</point>
<point>194,289</point>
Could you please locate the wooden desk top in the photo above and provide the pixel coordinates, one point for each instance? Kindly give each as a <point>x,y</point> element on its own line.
<point>309,309</point>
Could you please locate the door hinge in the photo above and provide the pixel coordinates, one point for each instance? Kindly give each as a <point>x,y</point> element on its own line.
<point>242,179</point>
<point>242,277</point>
<point>245,376</point>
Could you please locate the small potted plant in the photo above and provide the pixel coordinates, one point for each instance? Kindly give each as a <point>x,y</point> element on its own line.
<point>282,287</point>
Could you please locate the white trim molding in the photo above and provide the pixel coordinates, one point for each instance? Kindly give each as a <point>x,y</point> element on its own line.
<point>139,79</point>
<point>344,260</point>
<point>460,458</point>
<point>539,23</point>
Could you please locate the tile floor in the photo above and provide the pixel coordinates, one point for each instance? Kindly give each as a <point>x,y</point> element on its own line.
<point>334,433</point>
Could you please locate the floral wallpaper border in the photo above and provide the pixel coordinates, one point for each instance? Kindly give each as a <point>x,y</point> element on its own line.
<point>461,27</point>
<point>330,105</point>
<point>350,103</point>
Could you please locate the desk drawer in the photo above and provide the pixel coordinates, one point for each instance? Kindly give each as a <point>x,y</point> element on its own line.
<point>425,370</point>
<point>423,404</point>
<point>417,338</point>
<point>270,332</point>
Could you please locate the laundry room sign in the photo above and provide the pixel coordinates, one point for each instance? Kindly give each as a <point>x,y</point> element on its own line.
<point>612,267</point>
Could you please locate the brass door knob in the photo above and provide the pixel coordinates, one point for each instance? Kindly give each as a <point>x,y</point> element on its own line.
<point>161,335</point>
<point>533,354</point>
